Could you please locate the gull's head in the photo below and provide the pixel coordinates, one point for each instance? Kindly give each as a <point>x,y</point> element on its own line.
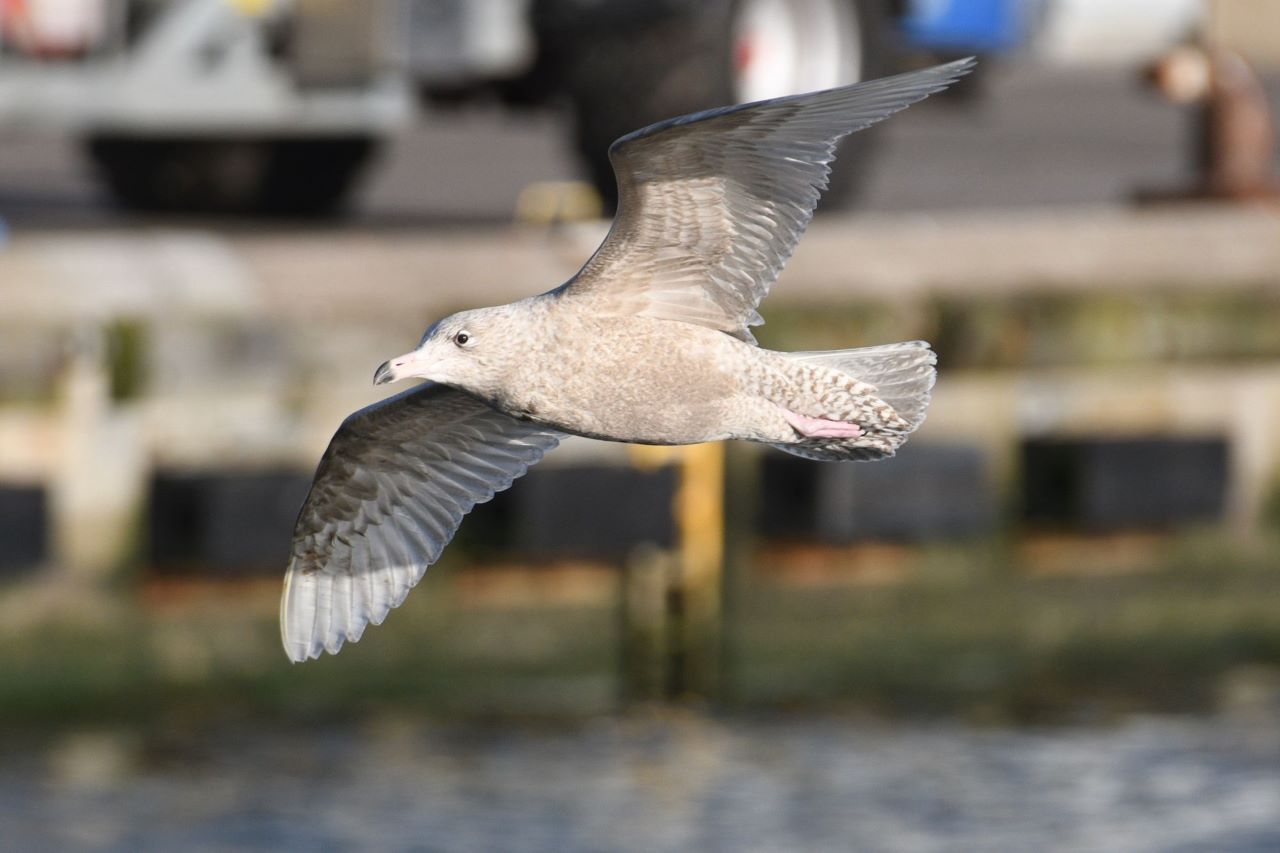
<point>461,350</point>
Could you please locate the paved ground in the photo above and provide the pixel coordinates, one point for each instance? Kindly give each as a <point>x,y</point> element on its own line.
<point>1032,136</point>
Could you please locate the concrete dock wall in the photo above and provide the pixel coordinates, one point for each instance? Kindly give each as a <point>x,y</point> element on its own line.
<point>124,354</point>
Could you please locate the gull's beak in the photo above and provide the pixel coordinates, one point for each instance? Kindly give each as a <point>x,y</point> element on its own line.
<point>400,367</point>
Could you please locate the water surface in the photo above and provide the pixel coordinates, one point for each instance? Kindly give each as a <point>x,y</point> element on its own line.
<point>652,783</point>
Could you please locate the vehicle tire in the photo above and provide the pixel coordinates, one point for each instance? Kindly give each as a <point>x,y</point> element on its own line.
<point>279,176</point>
<point>708,54</point>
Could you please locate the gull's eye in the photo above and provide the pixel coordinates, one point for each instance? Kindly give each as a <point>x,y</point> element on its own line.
<point>461,338</point>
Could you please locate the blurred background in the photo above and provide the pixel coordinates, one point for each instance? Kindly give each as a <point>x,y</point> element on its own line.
<point>1052,622</point>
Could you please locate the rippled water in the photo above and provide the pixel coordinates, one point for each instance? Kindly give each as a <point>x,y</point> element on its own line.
<point>654,783</point>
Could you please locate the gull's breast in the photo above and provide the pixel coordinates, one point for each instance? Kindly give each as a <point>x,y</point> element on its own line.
<point>632,379</point>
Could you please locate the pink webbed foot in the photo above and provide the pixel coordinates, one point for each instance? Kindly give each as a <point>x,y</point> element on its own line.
<point>820,427</point>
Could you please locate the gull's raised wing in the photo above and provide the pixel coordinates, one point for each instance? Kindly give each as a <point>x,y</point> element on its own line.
<point>387,497</point>
<point>711,205</point>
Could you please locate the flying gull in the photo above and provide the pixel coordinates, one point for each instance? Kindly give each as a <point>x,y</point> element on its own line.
<point>650,343</point>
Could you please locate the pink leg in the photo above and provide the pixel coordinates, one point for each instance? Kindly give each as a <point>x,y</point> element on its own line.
<point>821,427</point>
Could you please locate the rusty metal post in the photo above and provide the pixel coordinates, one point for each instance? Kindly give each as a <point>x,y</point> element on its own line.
<point>700,513</point>
<point>693,594</point>
<point>646,639</point>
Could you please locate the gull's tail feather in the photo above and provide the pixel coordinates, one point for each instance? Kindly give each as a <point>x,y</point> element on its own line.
<point>902,375</point>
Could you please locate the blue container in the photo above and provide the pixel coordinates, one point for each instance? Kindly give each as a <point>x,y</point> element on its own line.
<point>978,26</point>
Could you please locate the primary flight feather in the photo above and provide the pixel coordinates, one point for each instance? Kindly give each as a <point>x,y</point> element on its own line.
<point>650,342</point>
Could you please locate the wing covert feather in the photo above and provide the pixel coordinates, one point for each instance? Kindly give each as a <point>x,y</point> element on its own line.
<point>711,205</point>
<point>387,497</point>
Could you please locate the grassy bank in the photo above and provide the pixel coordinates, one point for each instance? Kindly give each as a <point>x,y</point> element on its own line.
<point>1012,648</point>
<point>962,634</point>
<point>218,654</point>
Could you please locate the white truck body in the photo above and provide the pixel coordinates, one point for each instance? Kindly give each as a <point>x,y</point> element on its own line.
<point>209,66</point>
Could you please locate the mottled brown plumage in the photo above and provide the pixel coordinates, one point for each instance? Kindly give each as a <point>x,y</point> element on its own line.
<point>648,343</point>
